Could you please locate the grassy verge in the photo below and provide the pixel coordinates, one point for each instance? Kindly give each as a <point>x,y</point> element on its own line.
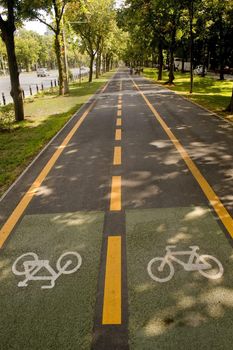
<point>45,116</point>
<point>207,92</point>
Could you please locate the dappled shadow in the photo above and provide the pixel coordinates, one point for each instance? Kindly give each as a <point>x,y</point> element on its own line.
<point>207,140</point>
<point>189,311</point>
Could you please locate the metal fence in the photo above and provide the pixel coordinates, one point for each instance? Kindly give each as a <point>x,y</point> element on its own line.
<point>33,89</point>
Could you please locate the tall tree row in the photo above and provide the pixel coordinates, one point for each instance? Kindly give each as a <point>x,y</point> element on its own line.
<point>199,31</point>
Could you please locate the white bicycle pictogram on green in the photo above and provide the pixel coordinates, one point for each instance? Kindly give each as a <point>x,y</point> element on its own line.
<point>30,266</point>
<point>161,269</point>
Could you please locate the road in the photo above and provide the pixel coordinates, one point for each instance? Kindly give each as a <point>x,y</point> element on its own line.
<point>137,170</point>
<point>28,80</point>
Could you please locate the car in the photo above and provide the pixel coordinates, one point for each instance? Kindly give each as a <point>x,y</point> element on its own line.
<point>198,70</point>
<point>42,72</point>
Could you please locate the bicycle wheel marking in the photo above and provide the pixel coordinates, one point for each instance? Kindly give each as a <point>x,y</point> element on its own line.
<point>32,267</point>
<point>195,262</point>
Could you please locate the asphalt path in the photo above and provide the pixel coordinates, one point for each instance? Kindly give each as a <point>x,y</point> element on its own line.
<point>139,173</point>
<point>28,80</point>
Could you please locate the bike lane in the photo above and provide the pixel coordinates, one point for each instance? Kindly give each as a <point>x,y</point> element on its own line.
<point>66,214</point>
<point>165,206</point>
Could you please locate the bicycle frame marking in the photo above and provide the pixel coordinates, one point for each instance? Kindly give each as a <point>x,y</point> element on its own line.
<point>190,265</point>
<point>195,262</point>
<point>33,266</point>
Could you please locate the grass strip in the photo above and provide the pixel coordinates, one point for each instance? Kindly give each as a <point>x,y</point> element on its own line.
<point>46,114</point>
<point>208,92</point>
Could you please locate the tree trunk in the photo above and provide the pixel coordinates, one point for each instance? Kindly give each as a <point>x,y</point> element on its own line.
<point>230,106</point>
<point>100,62</point>
<point>203,60</point>
<point>221,45</point>
<point>182,65</point>
<point>191,45</point>
<point>104,63</point>
<point>172,48</point>
<point>91,67</point>
<point>16,91</point>
<point>97,66</point>
<point>65,63</point>
<point>160,72</point>
<point>107,63</point>
<point>59,63</point>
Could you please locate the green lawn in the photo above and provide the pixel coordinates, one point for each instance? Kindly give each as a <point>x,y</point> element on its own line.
<point>45,116</point>
<point>208,92</point>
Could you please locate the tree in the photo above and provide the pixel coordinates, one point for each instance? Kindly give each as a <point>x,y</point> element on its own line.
<point>56,9</point>
<point>92,20</point>
<point>8,28</point>
<point>230,106</point>
<point>28,46</point>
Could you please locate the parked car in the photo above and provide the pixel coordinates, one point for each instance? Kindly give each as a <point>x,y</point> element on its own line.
<point>42,72</point>
<point>198,70</point>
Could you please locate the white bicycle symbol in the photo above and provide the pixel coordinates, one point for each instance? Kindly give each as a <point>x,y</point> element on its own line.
<point>162,269</point>
<point>67,263</point>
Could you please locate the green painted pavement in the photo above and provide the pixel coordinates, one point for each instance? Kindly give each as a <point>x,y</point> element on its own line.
<point>189,311</point>
<point>58,318</point>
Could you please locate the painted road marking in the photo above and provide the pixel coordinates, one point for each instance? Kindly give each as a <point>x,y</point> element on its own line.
<point>117,155</point>
<point>112,288</point>
<point>214,200</point>
<point>205,264</point>
<point>32,266</point>
<point>119,113</point>
<point>19,210</point>
<point>119,122</point>
<point>115,201</point>
<point>118,135</point>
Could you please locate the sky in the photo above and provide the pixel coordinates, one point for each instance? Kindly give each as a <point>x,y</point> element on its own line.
<point>40,28</point>
<point>36,26</point>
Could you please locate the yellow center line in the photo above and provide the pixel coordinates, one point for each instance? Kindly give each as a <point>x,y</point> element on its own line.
<point>118,135</point>
<point>115,201</point>
<point>119,113</point>
<point>112,287</point>
<point>117,155</point>
<point>119,122</point>
<point>214,200</point>
<point>24,202</point>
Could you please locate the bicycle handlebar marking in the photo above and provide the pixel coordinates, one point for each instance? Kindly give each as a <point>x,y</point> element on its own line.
<point>195,262</point>
<point>31,267</point>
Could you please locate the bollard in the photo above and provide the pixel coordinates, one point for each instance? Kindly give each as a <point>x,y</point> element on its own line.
<point>23,94</point>
<point>51,84</point>
<point>42,87</point>
<point>37,88</point>
<point>55,82</point>
<point>3,98</point>
<point>30,89</point>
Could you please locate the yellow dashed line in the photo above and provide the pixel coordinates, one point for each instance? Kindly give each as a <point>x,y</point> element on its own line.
<point>115,202</point>
<point>119,113</point>
<point>118,135</point>
<point>117,156</point>
<point>112,288</point>
<point>118,122</point>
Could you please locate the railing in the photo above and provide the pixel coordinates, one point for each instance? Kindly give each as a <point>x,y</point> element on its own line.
<point>29,90</point>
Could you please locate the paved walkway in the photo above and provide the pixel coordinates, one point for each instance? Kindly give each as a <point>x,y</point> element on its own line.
<point>119,235</point>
